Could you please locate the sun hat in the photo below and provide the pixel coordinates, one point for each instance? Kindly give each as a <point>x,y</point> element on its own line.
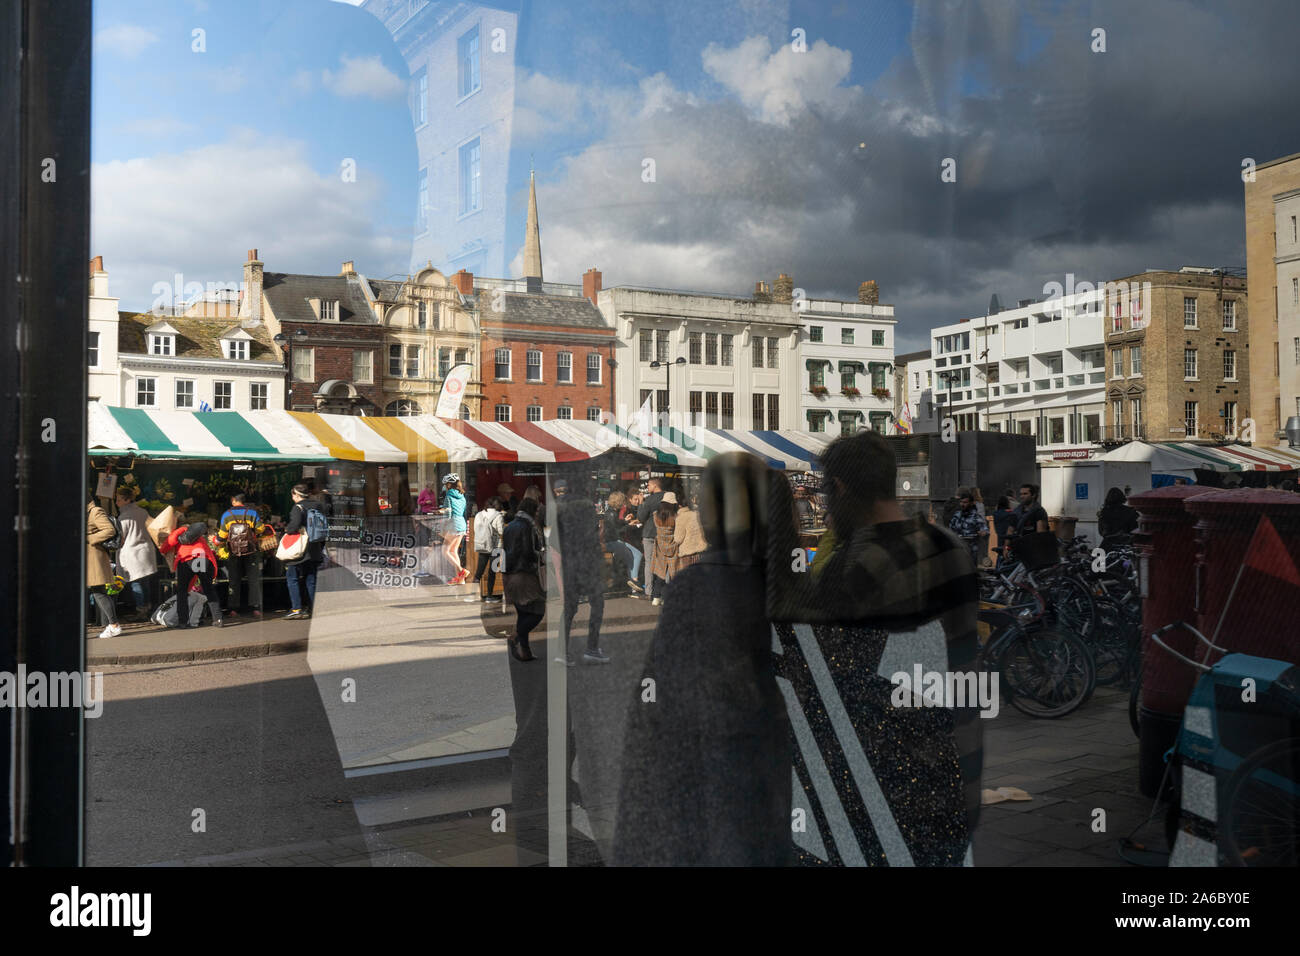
<point>669,498</point>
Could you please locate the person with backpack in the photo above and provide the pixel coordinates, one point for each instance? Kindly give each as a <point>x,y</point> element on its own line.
<point>194,559</point>
<point>454,500</point>
<point>300,574</point>
<point>239,529</point>
<point>101,532</point>
<point>489,526</point>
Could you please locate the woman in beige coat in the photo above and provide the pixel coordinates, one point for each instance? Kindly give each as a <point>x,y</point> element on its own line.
<point>688,535</point>
<point>99,570</point>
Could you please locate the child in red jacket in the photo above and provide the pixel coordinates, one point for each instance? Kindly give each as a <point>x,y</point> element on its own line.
<point>194,559</point>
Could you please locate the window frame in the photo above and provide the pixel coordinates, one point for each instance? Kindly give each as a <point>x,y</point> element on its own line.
<point>254,398</point>
<point>151,389</point>
<point>726,350</point>
<point>529,413</point>
<point>773,353</point>
<point>497,413</point>
<point>528,366</point>
<point>92,349</point>
<point>467,87</point>
<point>1229,315</point>
<point>564,413</point>
<point>497,363</point>
<point>469,172</point>
<point>1135,360</point>
<point>878,334</point>
<point>1190,301</point>
<point>229,397</point>
<point>310,352</point>
<point>564,368</point>
<point>1191,361</point>
<point>695,347</point>
<point>846,336</point>
<point>598,367</point>
<point>163,345</point>
<point>1229,362</point>
<point>815,333</point>
<point>234,348</point>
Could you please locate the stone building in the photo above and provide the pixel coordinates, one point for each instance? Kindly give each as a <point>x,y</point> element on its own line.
<point>1177,355</point>
<point>1273,266</point>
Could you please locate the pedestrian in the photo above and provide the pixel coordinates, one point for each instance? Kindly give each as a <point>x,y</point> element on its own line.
<point>688,535</point>
<point>489,526</point>
<point>978,499</point>
<point>1030,517</point>
<point>645,513</point>
<point>99,567</point>
<point>665,562</point>
<point>705,773</point>
<point>803,507</point>
<point>897,596</point>
<point>1003,515</point>
<point>969,525</point>
<point>524,544</point>
<point>454,505</point>
<point>1116,517</point>
<point>580,560</point>
<point>511,499</point>
<point>194,560</point>
<point>137,555</point>
<point>238,531</point>
<point>300,575</point>
<point>427,503</point>
<point>619,518</point>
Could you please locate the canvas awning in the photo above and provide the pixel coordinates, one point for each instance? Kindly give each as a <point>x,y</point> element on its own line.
<point>1184,457</point>
<point>280,436</point>
<point>309,437</point>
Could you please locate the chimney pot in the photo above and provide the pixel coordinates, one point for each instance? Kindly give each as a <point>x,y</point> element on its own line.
<point>96,264</point>
<point>783,289</point>
<point>348,268</point>
<point>252,255</point>
<point>869,293</point>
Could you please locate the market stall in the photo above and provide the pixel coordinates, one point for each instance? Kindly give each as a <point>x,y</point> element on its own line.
<point>1172,460</point>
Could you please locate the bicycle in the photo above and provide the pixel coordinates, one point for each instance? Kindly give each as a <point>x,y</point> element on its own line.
<point>1048,673</point>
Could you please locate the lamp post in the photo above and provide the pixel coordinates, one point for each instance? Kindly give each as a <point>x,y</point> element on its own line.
<point>668,378</point>
<point>286,342</point>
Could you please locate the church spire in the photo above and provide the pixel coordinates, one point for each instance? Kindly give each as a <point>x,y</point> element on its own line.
<point>532,240</point>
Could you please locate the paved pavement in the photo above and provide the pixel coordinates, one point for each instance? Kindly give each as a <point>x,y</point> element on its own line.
<point>431,681</point>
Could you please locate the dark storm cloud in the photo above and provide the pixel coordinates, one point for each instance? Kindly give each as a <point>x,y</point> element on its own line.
<point>1101,164</point>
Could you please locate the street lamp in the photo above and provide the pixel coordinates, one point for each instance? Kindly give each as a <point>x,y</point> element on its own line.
<point>286,342</point>
<point>668,378</point>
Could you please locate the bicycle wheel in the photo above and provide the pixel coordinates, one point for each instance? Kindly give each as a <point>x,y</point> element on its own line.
<point>1135,699</point>
<point>1261,817</point>
<point>1112,645</point>
<point>1073,605</point>
<point>1048,673</point>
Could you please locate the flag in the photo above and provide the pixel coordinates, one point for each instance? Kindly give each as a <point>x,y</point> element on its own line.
<point>643,422</point>
<point>904,421</point>
<point>204,407</point>
<point>453,391</point>
<point>1268,554</point>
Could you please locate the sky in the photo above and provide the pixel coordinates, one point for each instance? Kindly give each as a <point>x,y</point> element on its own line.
<point>823,162</point>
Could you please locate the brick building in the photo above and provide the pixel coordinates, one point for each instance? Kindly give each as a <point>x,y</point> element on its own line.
<point>332,338</point>
<point>545,354</point>
<point>1273,265</point>
<point>1177,355</point>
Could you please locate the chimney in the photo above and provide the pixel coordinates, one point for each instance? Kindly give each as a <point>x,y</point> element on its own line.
<point>349,268</point>
<point>783,289</point>
<point>250,306</point>
<point>464,282</point>
<point>869,293</point>
<point>761,292</point>
<point>98,277</point>
<point>591,284</point>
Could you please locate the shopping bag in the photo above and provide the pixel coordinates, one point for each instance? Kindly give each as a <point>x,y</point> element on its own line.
<point>292,547</point>
<point>161,527</point>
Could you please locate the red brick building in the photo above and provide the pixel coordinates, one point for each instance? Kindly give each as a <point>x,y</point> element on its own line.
<point>545,354</point>
<point>333,339</point>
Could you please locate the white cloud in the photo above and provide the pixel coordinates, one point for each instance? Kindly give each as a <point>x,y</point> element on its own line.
<point>196,212</point>
<point>302,81</point>
<point>124,39</point>
<point>158,127</point>
<point>364,76</point>
<point>778,85</point>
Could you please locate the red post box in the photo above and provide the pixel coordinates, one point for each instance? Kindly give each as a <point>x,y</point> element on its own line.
<point>1259,591</point>
<point>1167,560</point>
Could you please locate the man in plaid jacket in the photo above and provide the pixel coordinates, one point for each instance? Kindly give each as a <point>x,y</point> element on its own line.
<point>879,783</point>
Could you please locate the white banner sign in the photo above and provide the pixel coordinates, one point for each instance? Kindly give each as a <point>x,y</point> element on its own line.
<point>453,391</point>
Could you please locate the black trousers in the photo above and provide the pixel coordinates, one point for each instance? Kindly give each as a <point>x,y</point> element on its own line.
<point>185,573</point>
<point>485,564</point>
<point>597,601</point>
<point>525,622</point>
<point>237,568</point>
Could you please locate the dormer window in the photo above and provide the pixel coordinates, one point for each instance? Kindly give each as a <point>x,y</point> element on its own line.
<point>162,344</point>
<point>237,349</point>
<point>329,311</point>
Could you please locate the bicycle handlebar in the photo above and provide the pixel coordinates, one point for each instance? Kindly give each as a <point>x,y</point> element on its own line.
<point>1155,637</point>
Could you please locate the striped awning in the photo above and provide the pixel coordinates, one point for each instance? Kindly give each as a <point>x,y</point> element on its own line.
<point>696,446</point>
<point>309,437</point>
<point>1186,455</point>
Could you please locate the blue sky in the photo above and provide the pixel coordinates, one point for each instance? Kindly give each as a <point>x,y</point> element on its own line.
<point>823,163</point>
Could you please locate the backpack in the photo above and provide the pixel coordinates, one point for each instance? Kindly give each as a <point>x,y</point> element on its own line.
<point>243,537</point>
<point>318,526</point>
<point>166,614</point>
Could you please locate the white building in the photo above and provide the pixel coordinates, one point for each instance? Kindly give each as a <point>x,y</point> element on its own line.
<point>846,365</point>
<point>178,363</point>
<point>740,365</point>
<point>1038,369</point>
